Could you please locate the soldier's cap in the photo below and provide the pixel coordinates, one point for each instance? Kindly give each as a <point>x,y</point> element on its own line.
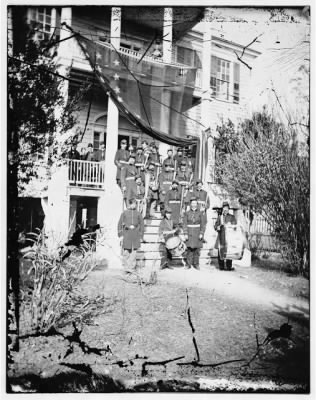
<point>193,199</point>
<point>183,164</point>
<point>199,181</point>
<point>225,203</point>
<point>170,150</point>
<point>123,141</point>
<point>90,145</point>
<point>139,148</point>
<point>175,181</point>
<point>167,164</point>
<point>132,200</point>
<point>151,164</point>
<point>101,143</point>
<point>132,155</point>
<point>137,177</point>
<point>168,210</point>
<point>179,149</point>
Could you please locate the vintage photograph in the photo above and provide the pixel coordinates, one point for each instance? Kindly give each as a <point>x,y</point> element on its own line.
<point>158,198</point>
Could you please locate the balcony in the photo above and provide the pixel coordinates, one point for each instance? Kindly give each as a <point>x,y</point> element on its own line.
<point>86,174</point>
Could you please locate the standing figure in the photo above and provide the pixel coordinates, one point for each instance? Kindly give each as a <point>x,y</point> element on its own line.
<point>190,162</point>
<point>138,192</point>
<point>146,153</point>
<point>99,155</point>
<point>131,230</point>
<point>165,182</point>
<point>121,159</point>
<point>223,219</point>
<point>179,158</point>
<point>173,201</point>
<point>183,176</point>
<point>154,157</point>
<point>166,230</point>
<point>128,175</point>
<point>190,193</point>
<point>202,197</point>
<point>194,226</point>
<point>169,160</point>
<point>89,156</point>
<point>139,161</point>
<point>152,186</point>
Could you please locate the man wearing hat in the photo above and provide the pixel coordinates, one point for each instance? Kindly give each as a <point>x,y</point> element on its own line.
<point>121,159</point>
<point>223,219</point>
<point>183,176</point>
<point>165,182</point>
<point>173,201</point>
<point>131,230</point>
<point>99,155</point>
<point>138,192</point>
<point>178,158</point>
<point>201,196</point>
<point>151,186</point>
<point>128,175</point>
<point>169,160</point>
<point>166,230</point>
<point>194,225</point>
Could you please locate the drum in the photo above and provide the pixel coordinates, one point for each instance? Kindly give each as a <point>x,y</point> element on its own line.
<point>231,243</point>
<point>176,246</point>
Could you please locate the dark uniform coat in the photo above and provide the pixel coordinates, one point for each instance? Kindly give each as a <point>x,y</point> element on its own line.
<point>194,224</point>
<point>121,159</point>
<point>99,155</point>
<point>190,194</point>
<point>131,227</point>
<point>165,183</point>
<point>152,192</point>
<point>128,175</point>
<point>183,177</point>
<point>173,201</point>
<point>170,161</point>
<point>221,221</point>
<point>201,196</point>
<point>178,160</point>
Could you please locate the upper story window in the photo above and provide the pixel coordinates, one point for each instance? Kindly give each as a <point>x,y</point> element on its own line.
<point>42,18</point>
<point>130,46</point>
<point>188,57</point>
<point>225,79</point>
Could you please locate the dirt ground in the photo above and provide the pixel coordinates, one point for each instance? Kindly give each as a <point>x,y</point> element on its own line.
<point>144,325</point>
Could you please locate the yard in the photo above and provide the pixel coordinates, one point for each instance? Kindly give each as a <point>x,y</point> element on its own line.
<point>191,330</point>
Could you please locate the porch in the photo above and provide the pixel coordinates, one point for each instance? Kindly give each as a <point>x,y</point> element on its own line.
<point>86,174</point>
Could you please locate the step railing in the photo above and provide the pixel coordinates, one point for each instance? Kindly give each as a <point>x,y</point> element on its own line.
<point>86,173</point>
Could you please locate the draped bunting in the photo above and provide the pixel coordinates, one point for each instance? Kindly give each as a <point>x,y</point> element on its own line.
<point>152,95</point>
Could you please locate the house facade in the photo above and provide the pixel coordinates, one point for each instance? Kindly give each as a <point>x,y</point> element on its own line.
<point>86,191</point>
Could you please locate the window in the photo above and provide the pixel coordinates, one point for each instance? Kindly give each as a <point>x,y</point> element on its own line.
<point>96,140</point>
<point>42,18</point>
<point>221,75</point>
<point>130,46</point>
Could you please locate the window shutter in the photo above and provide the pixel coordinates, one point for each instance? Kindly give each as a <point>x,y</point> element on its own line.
<point>213,66</point>
<point>236,82</point>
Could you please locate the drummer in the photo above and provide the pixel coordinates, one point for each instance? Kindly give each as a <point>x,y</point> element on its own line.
<point>173,201</point>
<point>194,225</point>
<point>138,193</point>
<point>223,219</point>
<point>166,230</point>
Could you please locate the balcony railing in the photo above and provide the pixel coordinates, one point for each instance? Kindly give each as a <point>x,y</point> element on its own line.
<point>86,173</point>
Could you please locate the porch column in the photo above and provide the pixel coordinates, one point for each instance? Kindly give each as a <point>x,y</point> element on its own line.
<point>57,206</point>
<point>206,82</point>
<point>167,57</point>
<point>110,204</point>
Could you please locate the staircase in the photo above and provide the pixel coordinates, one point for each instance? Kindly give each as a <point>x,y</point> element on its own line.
<point>148,255</point>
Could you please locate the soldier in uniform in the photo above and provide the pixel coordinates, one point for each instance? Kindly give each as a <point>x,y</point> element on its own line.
<point>173,201</point>
<point>146,153</point>
<point>178,158</point>
<point>183,176</point>
<point>223,219</point>
<point>169,160</point>
<point>139,161</point>
<point>154,157</point>
<point>128,175</point>
<point>165,182</point>
<point>202,197</point>
<point>153,186</point>
<point>138,192</point>
<point>194,226</point>
<point>166,230</point>
<point>190,162</point>
<point>131,230</point>
<point>121,159</point>
<point>189,194</point>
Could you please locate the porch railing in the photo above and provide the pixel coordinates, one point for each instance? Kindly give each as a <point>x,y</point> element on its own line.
<point>86,173</point>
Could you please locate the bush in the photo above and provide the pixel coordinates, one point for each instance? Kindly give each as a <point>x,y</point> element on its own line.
<point>52,283</point>
<point>268,170</point>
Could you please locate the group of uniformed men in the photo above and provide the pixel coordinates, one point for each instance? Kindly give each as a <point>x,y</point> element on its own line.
<point>172,191</point>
